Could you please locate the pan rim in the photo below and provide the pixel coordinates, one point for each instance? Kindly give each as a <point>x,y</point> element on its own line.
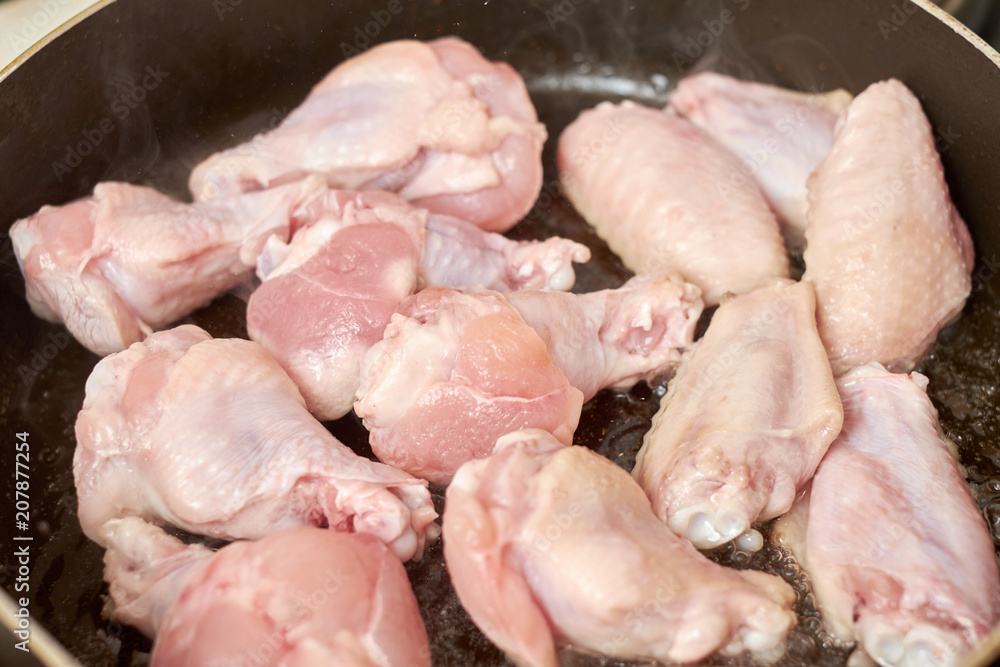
<point>927,5</point>
<point>988,650</point>
<point>57,32</point>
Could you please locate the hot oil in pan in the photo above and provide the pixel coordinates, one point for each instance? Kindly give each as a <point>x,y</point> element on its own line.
<point>963,368</point>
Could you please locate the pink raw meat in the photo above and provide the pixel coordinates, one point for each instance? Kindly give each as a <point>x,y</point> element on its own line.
<point>328,295</point>
<point>899,556</point>
<point>304,596</point>
<point>890,256</point>
<point>779,135</point>
<point>128,260</point>
<point>549,545</point>
<point>212,436</point>
<point>453,373</point>
<point>655,187</point>
<point>435,122</point>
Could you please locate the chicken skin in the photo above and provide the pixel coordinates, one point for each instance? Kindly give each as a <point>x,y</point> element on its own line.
<point>303,596</point>
<point>127,260</point>
<point>211,436</point>
<point>899,556</point>
<point>745,422</point>
<point>327,296</point>
<point>550,545</point>
<point>453,373</point>
<point>436,122</point>
<point>889,254</point>
<point>655,187</point>
<point>779,135</point>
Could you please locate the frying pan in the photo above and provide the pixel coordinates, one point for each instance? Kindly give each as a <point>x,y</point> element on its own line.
<point>142,90</point>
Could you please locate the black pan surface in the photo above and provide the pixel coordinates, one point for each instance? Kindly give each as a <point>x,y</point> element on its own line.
<point>142,90</point>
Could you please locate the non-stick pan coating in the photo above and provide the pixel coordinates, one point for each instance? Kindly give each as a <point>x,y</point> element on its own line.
<point>227,69</point>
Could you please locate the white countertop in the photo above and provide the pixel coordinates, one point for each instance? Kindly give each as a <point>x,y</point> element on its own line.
<point>24,22</point>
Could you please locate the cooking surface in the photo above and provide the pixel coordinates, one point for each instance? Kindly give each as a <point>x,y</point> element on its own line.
<point>43,374</point>
<point>67,566</point>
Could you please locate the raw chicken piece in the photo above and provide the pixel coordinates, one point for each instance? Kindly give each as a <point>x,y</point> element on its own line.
<point>890,256</point>
<point>779,135</point>
<point>745,422</point>
<point>899,555</point>
<point>615,337</point>
<point>145,569</point>
<point>436,122</point>
<point>328,295</point>
<point>549,545</point>
<point>453,373</point>
<point>212,436</point>
<point>656,189</point>
<point>127,260</point>
<point>458,255</point>
<point>304,596</point>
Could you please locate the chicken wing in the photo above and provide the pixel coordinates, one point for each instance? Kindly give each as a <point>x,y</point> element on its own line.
<point>212,436</point>
<point>656,188</point>
<point>745,422</point>
<point>435,122</point>
<point>615,337</point>
<point>890,256</point>
<point>453,373</point>
<point>117,265</point>
<point>899,556</point>
<point>550,545</point>
<point>303,596</point>
<point>779,135</point>
<point>327,296</point>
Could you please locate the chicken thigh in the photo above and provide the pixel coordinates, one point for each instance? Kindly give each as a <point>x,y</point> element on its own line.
<point>328,295</point>
<point>745,422</point>
<point>899,556</point>
<point>890,256</point>
<point>453,373</point>
<point>303,596</point>
<point>212,436</point>
<point>656,188</point>
<point>435,122</point>
<point>116,265</point>
<point>550,545</point>
<point>779,135</point>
